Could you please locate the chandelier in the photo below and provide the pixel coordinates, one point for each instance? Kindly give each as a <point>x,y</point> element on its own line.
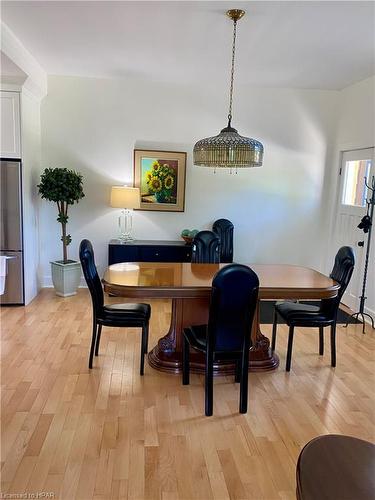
<point>229,149</point>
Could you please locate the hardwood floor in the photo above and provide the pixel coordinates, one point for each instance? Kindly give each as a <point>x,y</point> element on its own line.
<point>109,433</point>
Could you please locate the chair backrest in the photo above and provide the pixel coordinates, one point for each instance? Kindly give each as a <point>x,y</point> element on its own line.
<point>224,229</point>
<point>86,256</point>
<point>342,272</point>
<point>233,301</point>
<point>205,248</point>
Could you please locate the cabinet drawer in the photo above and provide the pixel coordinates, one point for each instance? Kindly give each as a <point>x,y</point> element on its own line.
<point>157,254</point>
<point>148,252</point>
<point>186,254</point>
<point>122,253</point>
<point>165,254</point>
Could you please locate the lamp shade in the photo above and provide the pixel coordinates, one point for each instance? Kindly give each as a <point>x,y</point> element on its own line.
<point>125,197</point>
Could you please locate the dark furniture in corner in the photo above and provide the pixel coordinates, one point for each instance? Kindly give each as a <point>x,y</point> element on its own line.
<point>148,251</point>
<point>336,467</point>
<point>227,335</point>
<point>205,248</point>
<point>295,314</point>
<point>224,229</point>
<point>120,315</point>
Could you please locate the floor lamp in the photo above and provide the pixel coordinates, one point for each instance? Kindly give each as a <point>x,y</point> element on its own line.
<point>366,225</point>
<point>126,198</point>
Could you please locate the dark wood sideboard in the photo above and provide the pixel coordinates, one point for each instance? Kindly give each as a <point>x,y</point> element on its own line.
<point>148,251</point>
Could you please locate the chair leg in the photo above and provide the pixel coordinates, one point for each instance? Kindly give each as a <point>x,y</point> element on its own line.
<point>145,330</point>
<point>321,340</point>
<point>290,347</point>
<point>98,340</point>
<point>209,383</point>
<point>237,376</point>
<point>333,345</point>
<point>93,340</point>
<point>185,361</point>
<point>273,344</point>
<point>244,381</point>
<point>144,343</point>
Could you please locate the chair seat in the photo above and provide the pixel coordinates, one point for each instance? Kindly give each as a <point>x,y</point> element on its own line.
<point>125,313</point>
<point>197,336</point>
<point>300,314</point>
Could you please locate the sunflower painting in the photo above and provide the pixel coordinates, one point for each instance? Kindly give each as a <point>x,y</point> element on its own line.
<point>159,178</point>
<point>160,175</point>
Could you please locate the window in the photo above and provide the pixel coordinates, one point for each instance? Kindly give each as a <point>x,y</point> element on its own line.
<point>355,192</point>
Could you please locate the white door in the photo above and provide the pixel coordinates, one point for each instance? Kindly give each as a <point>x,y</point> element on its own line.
<point>10,125</point>
<point>351,207</point>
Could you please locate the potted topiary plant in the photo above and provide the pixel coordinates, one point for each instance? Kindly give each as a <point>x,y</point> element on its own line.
<point>64,187</point>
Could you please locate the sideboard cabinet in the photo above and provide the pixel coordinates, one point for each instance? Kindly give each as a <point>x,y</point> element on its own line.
<point>148,251</point>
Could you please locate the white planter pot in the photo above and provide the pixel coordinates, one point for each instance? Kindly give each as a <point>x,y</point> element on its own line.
<point>66,277</point>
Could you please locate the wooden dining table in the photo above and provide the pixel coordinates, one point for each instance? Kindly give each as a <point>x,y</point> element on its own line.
<point>188,286</point>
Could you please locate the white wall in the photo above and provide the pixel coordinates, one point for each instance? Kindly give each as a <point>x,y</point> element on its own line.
<point>357,115</point>
<point>355,130</point>
<point>31,153</point>
<point>93,125</point>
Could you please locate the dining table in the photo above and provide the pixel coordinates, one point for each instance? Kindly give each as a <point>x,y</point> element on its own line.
<point>188,286</point>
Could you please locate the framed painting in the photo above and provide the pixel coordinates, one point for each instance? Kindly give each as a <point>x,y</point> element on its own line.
<point>160,176</point>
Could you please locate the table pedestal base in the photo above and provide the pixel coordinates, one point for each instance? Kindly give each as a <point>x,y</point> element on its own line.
<point>166,356</point>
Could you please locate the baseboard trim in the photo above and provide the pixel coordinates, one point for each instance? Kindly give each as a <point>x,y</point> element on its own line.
<point>47,282</point>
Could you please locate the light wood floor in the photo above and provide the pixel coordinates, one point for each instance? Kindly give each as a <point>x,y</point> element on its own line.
<point>110,433</point>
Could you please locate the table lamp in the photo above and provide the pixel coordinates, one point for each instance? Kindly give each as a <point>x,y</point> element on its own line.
<point>126,198</point>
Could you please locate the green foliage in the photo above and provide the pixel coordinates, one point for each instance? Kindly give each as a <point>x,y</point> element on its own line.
<point>64,187</point>
<point>66,239</point>
<point>189,233</point>
<point>61,184</point>
<point>62,218</point>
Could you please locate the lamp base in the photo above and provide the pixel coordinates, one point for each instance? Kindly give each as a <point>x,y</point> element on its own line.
<point>124,238</point>
<point>125,225</point>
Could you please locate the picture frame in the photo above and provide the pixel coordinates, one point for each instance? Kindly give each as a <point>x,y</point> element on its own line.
<point>160,176</point>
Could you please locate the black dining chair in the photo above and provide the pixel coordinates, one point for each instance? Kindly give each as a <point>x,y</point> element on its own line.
<point>224,229</point>
<point>116,315</point>
<point>205,248</point>
<point>228,333</point>
<point>303,315</point>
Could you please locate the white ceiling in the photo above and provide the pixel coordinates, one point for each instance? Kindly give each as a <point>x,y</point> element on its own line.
<point>326,45</point>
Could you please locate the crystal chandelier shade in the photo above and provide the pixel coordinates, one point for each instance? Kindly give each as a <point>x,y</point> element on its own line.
<point>228,149</point>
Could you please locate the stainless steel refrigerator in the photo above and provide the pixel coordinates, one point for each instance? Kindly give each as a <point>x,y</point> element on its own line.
<point>11,241</point>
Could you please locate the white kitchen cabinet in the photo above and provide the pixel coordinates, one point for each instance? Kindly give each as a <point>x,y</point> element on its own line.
<point>10,125</point>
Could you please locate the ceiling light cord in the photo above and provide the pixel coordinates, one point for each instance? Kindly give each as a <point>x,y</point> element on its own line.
<point>232,73</point>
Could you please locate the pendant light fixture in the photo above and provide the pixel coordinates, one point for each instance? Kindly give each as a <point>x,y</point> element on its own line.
<point>229,149</point>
